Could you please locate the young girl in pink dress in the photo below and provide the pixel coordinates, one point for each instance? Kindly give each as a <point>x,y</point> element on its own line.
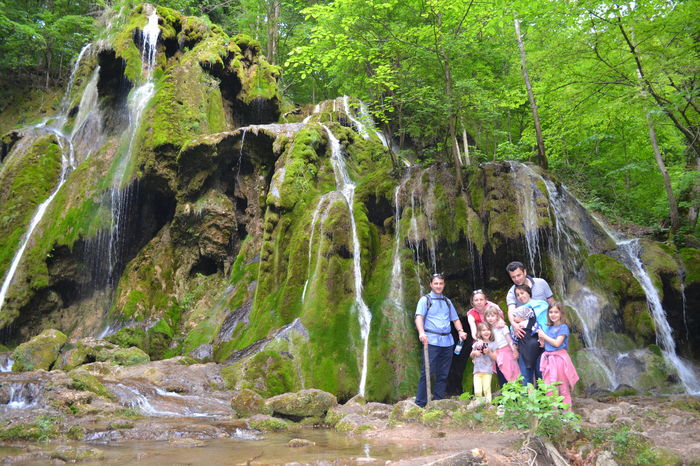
<point>506,351</point>
<point>555,363</point>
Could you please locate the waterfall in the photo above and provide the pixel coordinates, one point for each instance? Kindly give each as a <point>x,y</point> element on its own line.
<point>71,81</point>
<point>120,196</point>
<point>525,193</point>
<point>345,186</point>
<point>7,365</point>
<point>314,220</point>
<point>396,287</point>
<point>87,127</point>
<point>362,127</point>
<point>628,252</point>
<point>23,395</point>
<point>66,157</point>
<point>54,125</point>
<point>364,114</point>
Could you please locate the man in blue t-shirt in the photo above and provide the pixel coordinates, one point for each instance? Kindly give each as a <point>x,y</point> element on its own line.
<point>434,312</point>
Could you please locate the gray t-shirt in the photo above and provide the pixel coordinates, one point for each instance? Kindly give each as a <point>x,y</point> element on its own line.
<point>483,362</point>
<point>540,290</point>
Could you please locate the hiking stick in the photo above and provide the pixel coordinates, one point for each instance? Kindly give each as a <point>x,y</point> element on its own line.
<point>426,360</point>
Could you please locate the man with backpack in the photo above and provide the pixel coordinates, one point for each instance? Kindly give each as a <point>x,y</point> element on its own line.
<point>434,312</point>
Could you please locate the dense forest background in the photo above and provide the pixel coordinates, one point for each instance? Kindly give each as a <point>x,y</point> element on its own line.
<point>604,94</point>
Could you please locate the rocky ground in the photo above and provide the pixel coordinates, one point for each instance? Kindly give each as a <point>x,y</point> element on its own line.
<point>98,411</point>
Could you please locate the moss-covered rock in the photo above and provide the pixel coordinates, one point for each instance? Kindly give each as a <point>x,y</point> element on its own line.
<point>246,403</point>
<point>129,356</point>
<point>40,352</point>
<point>266,423</point>
<point>83,380</point>
<point>305,403</point>
<point>616,281</point>
<point>129,336</point>
<point>406,411</point>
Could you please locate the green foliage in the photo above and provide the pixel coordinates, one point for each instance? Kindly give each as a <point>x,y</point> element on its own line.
<point>44,35</point>
<point>628,447</point>
<point>44,428</point>
<point>541,409</point>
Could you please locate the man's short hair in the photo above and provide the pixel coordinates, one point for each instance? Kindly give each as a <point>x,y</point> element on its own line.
<point>437,275</point>
<point>515,265</point>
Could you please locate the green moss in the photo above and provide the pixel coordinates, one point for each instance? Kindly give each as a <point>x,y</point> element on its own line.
<point>38,353</point>
<point>83,380</point>
<point>614,279</point>
<point>43,428</point>
<point>130,356</point>
<point>691,265</point>
<point>76,433</point>
<point>433,417</point>
<point>128,337</point>
<point>268,424</point>
<point>26,180</point>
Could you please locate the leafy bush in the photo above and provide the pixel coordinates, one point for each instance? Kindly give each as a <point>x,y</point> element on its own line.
<point>527,407</point>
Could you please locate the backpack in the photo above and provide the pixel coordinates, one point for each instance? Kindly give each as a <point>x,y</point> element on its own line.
<point>429,302</point>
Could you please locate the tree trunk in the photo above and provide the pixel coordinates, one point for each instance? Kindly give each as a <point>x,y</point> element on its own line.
<point>542,158</point>
<point>673,206</point>
<point>465,141</point>
<point>695,195</point>
<point>273,32</point>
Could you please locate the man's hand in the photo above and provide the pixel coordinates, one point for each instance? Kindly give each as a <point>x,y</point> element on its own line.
<point>462,335</point>
<point>423,338</point>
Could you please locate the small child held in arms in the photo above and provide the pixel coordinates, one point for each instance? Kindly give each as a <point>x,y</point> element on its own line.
<point>506,351</point>
<point>483,357</point>
<point>556,365</point>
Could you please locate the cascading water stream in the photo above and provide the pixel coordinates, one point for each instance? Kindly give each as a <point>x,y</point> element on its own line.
<point>345,186</point>
<point>314,220</point>
<point>396,287</point>
<point>628,252</point>
<point>66,167</point>
<point>120,196</point>
<point>527,205</point>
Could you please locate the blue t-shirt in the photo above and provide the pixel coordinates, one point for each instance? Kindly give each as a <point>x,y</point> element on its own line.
<point>554,332</point>
<point>440,314</point>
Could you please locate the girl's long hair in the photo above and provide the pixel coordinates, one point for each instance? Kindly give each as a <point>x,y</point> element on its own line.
<point>483,325</point>
<point>562,313</point>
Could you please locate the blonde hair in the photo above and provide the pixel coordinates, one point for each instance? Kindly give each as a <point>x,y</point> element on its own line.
<point>492,309</point>
<point>562,313</point>
<point>480,327</point>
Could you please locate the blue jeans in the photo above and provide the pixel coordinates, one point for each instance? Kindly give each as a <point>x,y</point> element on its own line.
<point>440,358</point>
<point>532,374</point>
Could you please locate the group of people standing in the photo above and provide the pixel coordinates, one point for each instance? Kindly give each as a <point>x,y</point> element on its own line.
<point>535,346</point>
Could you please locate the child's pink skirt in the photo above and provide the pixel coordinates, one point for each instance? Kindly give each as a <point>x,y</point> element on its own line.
<point>508,366</point>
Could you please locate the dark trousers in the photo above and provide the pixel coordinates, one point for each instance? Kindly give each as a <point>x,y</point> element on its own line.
<point>530,375</point>
<point>440,358</point>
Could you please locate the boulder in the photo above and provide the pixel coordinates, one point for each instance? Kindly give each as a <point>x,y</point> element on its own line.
<point>304,403</point>
<point>247,403</point>
<point>40,352</point>
<point>406,411</point>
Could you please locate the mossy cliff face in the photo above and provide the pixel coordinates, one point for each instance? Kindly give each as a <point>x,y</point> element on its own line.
<point>235,245</point>
<point>205,82</point>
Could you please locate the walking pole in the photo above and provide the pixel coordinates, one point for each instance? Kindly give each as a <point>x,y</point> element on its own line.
<point>426,360</point>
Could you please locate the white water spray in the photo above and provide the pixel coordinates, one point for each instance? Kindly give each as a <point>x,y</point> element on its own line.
<point>629,251</point>
<point>347,189</point>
